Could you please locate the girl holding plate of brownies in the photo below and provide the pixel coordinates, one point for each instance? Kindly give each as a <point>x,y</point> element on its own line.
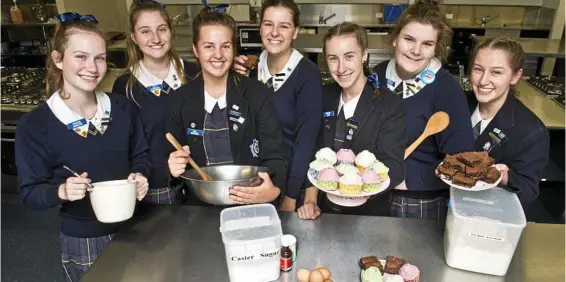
<point>359,117</point>
<point>515,138</point>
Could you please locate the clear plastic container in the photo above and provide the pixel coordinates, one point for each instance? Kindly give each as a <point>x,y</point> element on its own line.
<point>252,241</point>
<point>483,229</point>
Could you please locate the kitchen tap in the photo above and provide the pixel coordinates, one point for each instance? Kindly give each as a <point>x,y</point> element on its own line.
<point>486,19</point>
<point>322,20</point>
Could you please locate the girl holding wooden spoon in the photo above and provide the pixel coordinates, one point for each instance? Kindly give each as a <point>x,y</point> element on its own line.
<point>420,42</point>
<point>86,130</point>
<point>225,118</point>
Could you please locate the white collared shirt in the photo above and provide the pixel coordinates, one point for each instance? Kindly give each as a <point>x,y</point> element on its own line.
<point>210,102</point>
<point>476,117</point>
<point>153,83</point>
<point>349,107</point>
<point>411,86</point>
<point>263,74</point>
<point>67,116</point>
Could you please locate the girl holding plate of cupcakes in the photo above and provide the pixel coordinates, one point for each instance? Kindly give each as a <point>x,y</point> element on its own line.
<point>363,137</point>
<point>296,90</point>
<point>420,42</point>
<point>514,136</point>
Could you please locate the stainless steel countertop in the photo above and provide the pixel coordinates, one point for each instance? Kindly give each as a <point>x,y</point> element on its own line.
<point>549,112</point>
<point>541,47</point>
<point>182,243</point>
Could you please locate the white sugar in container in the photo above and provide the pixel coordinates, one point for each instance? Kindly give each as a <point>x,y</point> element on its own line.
<point>252,242</point>
<point>483,229</point>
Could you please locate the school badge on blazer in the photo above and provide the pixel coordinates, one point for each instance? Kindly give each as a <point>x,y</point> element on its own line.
<point>254,148</point>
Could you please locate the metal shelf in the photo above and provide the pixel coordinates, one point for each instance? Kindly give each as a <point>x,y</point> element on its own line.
<point>30,24</point>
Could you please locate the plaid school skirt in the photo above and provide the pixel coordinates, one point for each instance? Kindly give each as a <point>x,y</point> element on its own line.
<point>78,254</point>
<point>400,206</point>
<point>161,196</point>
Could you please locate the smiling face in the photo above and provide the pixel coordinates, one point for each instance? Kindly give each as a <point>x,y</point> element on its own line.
<point>414,48</point>
<point>345,60</point>
<point>83,63</point>
<point>492,76</point>
<point>215,50</point>
<point>277,30</point>
<point>152,34</point>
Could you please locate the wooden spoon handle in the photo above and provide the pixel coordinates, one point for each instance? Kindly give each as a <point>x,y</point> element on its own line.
<point>178,146</point>
<point>415,144</point>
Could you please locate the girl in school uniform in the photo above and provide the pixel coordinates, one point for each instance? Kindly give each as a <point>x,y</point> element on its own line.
<point>157,73</point>
<point>420,42</point>
<point>296,90</point>
<point>223,117</point>
<point>361,114</point>
<point>88,131</point>
<point>514,136</point>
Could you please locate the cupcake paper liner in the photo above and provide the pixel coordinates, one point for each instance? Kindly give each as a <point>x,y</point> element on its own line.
<point>314,173</point>
<point>370,187</point>
<point>327,185</point>
<point>350,189</point>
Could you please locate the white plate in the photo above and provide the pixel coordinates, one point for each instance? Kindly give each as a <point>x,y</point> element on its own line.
<point>349,200</point>
<point>480,185</point>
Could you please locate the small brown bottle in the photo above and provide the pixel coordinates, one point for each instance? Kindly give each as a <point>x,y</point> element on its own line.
<point>286,257</point>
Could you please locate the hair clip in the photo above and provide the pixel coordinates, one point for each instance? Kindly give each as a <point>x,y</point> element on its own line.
<point>72,16</point>
<point>374,80</point>
<point>218,9</point>
<point>138,2</point>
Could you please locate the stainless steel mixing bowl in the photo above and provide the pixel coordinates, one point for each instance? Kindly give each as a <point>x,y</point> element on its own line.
<point>225,176</point>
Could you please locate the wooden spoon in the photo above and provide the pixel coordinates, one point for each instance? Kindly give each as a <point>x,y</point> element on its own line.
<point>178,146</point>
<point>437,123</point>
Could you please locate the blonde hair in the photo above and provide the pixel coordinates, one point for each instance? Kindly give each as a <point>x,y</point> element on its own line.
<point>427,13</point>
<point>135,55</point>
<point>361,36</point>
<point>63,31</point>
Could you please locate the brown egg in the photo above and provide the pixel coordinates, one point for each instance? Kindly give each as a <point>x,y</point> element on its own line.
<point>316,276</point>
<point>303,275</point>
<point>325,272</point>
<point>328,280</point>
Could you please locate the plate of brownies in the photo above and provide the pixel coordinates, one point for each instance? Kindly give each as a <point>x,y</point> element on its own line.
<point>391,269</point>
<point>475,171</point>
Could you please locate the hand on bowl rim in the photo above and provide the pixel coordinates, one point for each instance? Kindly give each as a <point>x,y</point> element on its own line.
<point>142,186</point>
<point>266,192</point>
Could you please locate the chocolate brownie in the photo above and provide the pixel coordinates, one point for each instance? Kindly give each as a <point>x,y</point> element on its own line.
<point>453,163</point>
<point>393,264</point>
<point>445,171</point>
<point>475,172</point>
<point>369,259</point>
<point>472,159</point>
<point>492,175</point>
<point>487,161</point>
<point>251,62</point>
<point>374,264</point>
<point>463,180</point>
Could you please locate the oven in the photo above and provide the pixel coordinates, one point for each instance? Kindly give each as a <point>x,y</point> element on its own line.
<point>9,182</point>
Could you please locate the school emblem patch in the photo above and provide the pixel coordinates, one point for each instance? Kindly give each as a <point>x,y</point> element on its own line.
<point>254,148</point>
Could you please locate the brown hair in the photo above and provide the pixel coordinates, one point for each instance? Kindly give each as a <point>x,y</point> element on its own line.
<point>289,4</point>
<point>427,13</point>
<point>514,50</point>
<point>356,31</point>
<point>134,52</point>
<point>63,31</point>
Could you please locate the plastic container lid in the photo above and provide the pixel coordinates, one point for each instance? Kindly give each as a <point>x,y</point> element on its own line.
<point>495,205</point>
<point>251,222</point>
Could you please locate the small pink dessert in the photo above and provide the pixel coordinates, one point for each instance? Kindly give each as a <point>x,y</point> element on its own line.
<point>328,179</point>
<point>410,273</point>
<point>371,181</point>
<point>346,156</point>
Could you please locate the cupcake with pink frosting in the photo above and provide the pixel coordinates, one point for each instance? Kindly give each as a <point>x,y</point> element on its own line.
<point>371,181</point>
<point>328,179</point>
<point>346,156</point>
<point>410,273</point>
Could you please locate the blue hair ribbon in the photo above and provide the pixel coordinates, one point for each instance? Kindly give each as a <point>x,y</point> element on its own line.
<point>72,16</point>
<point>218,9</point>
<point>374,80</point>
<point>150,1</point>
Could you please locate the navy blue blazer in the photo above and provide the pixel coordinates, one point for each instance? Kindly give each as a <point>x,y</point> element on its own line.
<point>517,138</point>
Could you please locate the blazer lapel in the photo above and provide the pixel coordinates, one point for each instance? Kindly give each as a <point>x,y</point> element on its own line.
<point>501,122</point>
<point>364,108</point>
<point>194,114</point>
<point>238,114</point>
<point>331,102</point>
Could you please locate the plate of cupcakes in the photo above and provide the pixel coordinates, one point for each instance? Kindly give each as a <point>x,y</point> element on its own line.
<point>390,269</point>
<point>470,171</point>
<point>347,179</point>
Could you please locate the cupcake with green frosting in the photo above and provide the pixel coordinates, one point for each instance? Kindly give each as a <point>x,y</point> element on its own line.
<point>316,166</point>
<point>381,169</point>
<point>372,274</point>
<point>346,168</point>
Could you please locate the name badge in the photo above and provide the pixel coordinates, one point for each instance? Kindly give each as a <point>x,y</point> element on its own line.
<point>235,113</point>
<point>353,123</point>
<point>391,82</point>
<point>427,76</point>
<point>194,132</point>
<point>76,124</point>
<point>328,114</point>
